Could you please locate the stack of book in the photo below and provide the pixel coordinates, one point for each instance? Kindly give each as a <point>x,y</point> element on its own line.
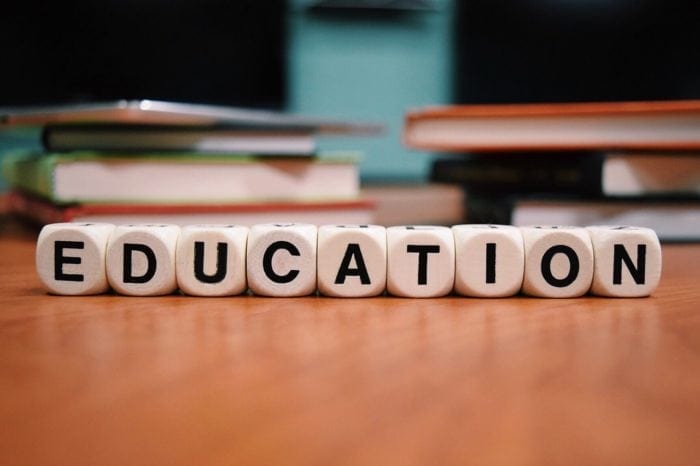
<point>580,164</point>
<point>158,162</point>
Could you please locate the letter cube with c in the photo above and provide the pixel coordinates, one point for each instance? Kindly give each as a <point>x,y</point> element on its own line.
<point>351,260</point>
<point>282,259</point>
<point>141,259</point>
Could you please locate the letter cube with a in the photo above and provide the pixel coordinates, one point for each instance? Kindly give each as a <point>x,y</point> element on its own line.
<point>210,260</point>
<point>627,261</point>
<point>141,259</point>
<point>490,260</point>
<point>70,257</point>
<point>351,260</point>
<point>558,261</point>
<point>282,259</point>
<point>420,261</point>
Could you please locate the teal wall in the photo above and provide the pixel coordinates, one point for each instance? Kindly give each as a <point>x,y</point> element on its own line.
<point>373,70</point>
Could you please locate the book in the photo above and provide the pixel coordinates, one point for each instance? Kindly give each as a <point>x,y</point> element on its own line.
<point>673,219</point>
<point>582,173</point>
<point>40,211</point>
<point>144,138</point>
<point>672,125</point>
<point>155,112</point>
<point>184,178</point>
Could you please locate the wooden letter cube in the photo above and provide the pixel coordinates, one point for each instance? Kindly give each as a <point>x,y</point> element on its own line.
<point>490,260</point>
<point>282,259</point>
<point>627,261</point>
<point>420,261</point>
<point>351,260</point>
<point>70,257</point>
<point>558,261</point>
<point>141,259</point>
<point>210,260</point>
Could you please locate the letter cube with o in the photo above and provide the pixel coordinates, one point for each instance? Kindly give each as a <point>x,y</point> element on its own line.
<point>282,259</point>
<point>351,260</point>
<point>211,259</point>
<point>490,260</point>
<point>558,261</point>
<point>70,257</point>
<point>627,261</point>
<point>420,261</point>
<point>141,259</point>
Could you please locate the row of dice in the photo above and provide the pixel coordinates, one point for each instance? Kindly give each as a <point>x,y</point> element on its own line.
<point>348,260</point>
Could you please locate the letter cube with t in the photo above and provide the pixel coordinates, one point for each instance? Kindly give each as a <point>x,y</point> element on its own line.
<point>490,260</point>
<point>70,257</point>
<point>282,259</point>
<point>141,259</point>
<point>558,261</point>
<point>627,261</point>
<point>210,260</point>
<point>420,261</point>
<point>351,260</point>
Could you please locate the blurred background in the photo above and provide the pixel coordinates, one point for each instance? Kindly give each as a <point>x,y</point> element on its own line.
<point>361,60</point>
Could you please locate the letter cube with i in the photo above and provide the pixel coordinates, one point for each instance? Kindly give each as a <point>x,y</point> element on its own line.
<point>490,260</point>
<point>282,259</point>
<point>70,257</point>
<point>351,260</point>
<point>627,261</point>
<point>558,261</point>
<point>420,261</point>
<point>210,260</point>
<point>141,259</point>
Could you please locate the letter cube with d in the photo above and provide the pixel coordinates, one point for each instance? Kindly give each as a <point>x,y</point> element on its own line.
<point>141,259</point>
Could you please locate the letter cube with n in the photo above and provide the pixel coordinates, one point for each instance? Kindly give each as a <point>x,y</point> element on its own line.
<point>490,260</point>
<point>70,257</point>
<point>420,261</point>
<point>627,261</point>
<point>141,259</point>
<point>282,259</point>
<point>558,261</point>
<point>211,260</point>
<point>351,260</point>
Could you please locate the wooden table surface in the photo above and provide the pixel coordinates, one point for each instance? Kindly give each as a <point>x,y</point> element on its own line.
<point>318,381</point>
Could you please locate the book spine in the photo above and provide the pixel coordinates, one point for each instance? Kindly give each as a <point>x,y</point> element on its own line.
<point>523,173</point>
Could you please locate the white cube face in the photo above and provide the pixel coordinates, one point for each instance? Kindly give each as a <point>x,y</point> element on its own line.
<point>627,261</point>
<point>420,261</point>
<point>70,258</point>
<point>490,260</point>
<point>351,260</point>
<point>141,259</point>
<point>210,260</point>
<point>282,259</point>
<point>558,261</point>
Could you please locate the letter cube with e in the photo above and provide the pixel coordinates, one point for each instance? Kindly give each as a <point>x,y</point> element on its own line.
<point>70,257</point>
<point>282,259</point>
<point>420,261</point>
<point>490,260</point>
<point>210,260</point>
<point>351,260</point>
<point>141,259</point>
<point>627,261</point>
<point>558,261</point>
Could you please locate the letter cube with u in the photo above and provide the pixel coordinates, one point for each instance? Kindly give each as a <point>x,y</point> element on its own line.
<point>211,260</point>
<point>141,259</point>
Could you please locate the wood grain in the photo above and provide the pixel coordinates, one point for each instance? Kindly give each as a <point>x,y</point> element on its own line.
<point>248,380</point>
